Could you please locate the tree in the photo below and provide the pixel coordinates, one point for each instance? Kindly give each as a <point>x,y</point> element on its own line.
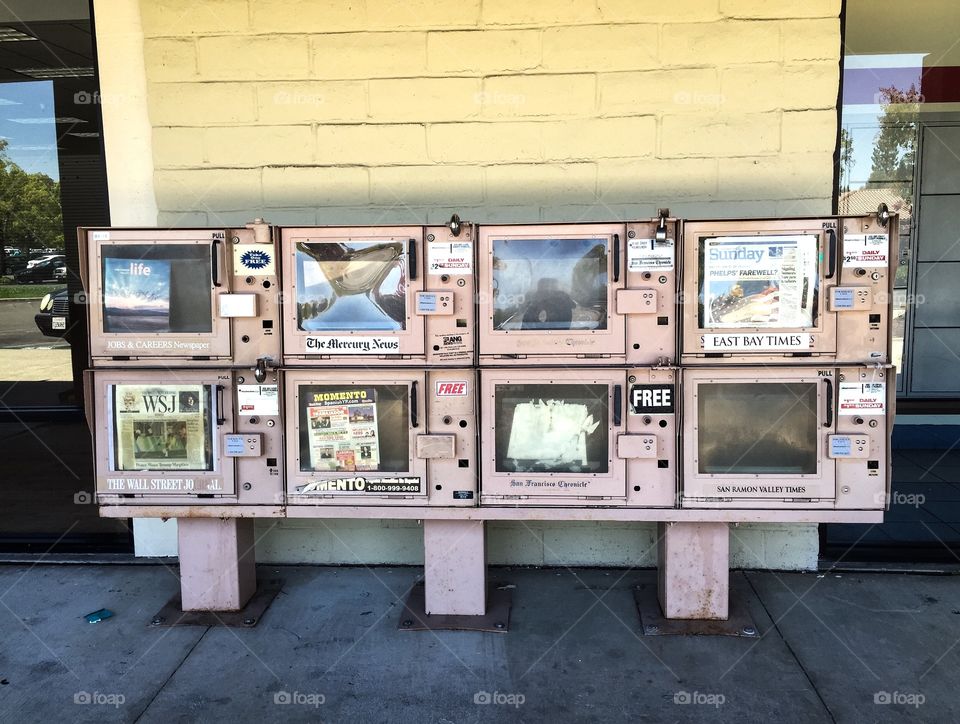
<point>895,145</point>
<point>30,214</point>
<point>846,159</point>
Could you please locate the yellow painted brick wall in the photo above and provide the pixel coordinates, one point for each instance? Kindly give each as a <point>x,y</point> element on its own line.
<point>383,110</point>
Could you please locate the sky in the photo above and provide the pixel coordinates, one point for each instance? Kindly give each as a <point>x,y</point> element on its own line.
<point>27,122</point>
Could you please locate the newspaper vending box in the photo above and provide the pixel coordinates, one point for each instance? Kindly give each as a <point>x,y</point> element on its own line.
<point>772,291</point>
<point>787,437</point>
<point>579,437</point>
<point>578,293</point>
<point>371,296</point>
<point>186,437</point>
<point>389,437</point>
<point>193,297</point>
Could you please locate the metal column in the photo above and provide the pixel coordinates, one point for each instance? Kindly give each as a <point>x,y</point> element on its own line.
<point>694,570</point>
<point>217,563</point>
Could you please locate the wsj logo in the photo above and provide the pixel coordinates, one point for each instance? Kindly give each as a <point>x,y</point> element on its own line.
<point>451,389</point>
<point>656,399</point>
<point>160,403</point>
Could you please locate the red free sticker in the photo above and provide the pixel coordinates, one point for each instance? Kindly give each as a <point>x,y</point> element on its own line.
<point>451,389</point>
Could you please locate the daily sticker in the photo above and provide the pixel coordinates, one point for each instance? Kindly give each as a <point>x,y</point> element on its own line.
<point>865,250</point>
<point>859,398</point>
<point>100,235</point>
<point>449,257</point>
<point>649,255</point>
<point>258,400</point>
<point>253,260</point>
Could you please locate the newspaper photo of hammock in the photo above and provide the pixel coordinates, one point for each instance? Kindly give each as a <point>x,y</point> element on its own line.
<point>760,281</point>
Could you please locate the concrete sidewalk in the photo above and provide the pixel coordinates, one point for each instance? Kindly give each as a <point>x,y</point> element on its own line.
<point>845,648</point>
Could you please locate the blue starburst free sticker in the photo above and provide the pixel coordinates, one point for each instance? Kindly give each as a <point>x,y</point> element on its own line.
<point>255,259</point>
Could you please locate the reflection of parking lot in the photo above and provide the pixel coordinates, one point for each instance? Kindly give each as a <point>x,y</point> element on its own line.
<point>17,328</point>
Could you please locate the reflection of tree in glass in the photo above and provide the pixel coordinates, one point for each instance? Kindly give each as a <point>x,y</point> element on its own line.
<point>895,145</point>
<point>549,305</point>
<point>30,216</point>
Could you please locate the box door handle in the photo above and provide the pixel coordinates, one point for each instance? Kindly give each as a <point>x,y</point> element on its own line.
<point>616,257</point>
<point>220,418</point>
<point>215,262</point>
<point>829,421</point>
<point>412,258</point>
<point>617,405</point>
<point>414,412</point>
<point>831,253</point>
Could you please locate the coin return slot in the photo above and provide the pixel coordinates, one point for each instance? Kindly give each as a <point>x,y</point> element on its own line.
<point>268,324</point>
<point>874,319</point>
<point>663,321</point>
<point>271,462</point>
<point>463,463</point>
<point>461,322</point>
<point>873,464</point>
<point>663,463</point>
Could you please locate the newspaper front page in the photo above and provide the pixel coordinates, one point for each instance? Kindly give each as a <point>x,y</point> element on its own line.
<point>162,427</point>
<point>760,281</point>
<point>342,429</point>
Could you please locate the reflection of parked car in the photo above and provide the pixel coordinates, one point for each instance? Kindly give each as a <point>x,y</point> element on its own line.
<point>44,272</point>
<point>54,316</point>
<point>36,261</point>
